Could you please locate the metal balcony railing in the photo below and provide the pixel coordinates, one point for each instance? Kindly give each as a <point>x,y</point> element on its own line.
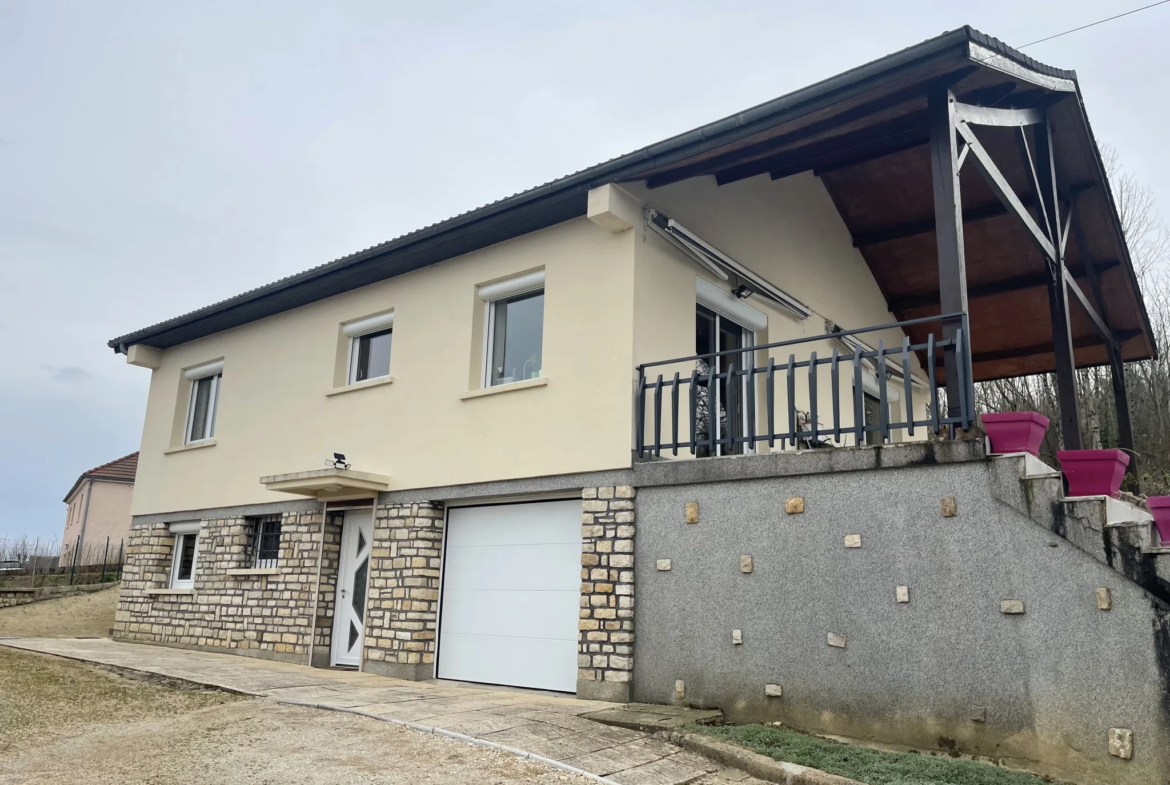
<point>717,407</point>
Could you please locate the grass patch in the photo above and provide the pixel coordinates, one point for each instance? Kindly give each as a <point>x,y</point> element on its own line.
<point>43,697</point>
<point>873,767</point>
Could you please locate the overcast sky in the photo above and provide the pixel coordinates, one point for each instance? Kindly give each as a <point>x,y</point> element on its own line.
<point>156,157</point>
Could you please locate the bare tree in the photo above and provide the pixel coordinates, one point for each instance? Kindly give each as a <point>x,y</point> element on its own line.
<point>1148,382</point>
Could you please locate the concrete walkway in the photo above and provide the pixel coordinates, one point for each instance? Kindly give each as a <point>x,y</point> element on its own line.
<point>534,725</point>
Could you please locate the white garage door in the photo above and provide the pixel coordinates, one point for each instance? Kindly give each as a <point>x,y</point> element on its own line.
<point>511,589</point>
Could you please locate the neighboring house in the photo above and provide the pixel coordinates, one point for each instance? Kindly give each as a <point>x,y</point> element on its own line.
<point>99,511</point>
<point>600,389</point>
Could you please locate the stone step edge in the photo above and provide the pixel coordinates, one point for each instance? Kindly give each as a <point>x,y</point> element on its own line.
<point>614,718</point>
<point>759,766</point>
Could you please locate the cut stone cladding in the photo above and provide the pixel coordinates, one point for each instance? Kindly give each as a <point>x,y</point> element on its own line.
<point>605,648</point>
<point>937,600</point>
<point>402,608</point>
<point>268,616</point>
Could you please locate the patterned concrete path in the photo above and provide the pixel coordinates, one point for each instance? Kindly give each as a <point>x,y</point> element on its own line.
<point>533,725</point>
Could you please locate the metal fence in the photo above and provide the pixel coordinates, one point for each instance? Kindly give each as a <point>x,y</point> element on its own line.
<point>715,410</point>
<point>32,563</point>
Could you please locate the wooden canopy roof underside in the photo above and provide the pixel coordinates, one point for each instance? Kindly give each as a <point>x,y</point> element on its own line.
<point>870,149</point>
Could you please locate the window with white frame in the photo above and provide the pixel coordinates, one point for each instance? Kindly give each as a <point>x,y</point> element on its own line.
<point>369,347</point>
<point>204,399</point>
<point>185,554</point>
<point>515,329</point>
<point>266,542</point>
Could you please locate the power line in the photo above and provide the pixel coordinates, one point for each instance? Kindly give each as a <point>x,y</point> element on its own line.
<point>1094,24</point>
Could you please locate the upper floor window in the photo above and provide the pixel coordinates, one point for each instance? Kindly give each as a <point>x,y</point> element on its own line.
<point>201,407</point>
<point>515,329</point>
<point>516,337</point>
<point>369,350</point>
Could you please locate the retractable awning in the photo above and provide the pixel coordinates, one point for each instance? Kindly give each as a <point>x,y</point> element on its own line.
<point>722,265</point>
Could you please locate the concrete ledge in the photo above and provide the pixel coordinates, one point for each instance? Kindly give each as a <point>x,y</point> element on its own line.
<point>16,590</point>
<point>759,766</point>
<point>168,592</point>
<point>254,571</point>
<point>825,460</point>
<point>397,670</point>
<point>526,384</point>
<point>608,691</point>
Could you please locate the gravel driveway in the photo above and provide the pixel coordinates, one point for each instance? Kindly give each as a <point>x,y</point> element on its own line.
<point>65,722</point>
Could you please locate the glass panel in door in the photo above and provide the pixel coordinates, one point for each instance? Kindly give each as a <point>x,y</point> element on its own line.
<point>716,333</point>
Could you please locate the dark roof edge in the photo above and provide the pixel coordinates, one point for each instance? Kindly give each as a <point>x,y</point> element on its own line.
<point>623,166</point>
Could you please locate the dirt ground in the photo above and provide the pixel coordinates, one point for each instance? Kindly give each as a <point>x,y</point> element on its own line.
<point>80,616</point>
<point>65,722</point>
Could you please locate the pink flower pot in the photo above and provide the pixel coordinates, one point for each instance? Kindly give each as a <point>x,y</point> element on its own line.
<point>1093,472</point>
<point>1015,431</point>
<point>1160,509</point>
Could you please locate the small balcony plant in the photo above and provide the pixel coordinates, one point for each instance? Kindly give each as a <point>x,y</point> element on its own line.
<point>1093,472</point>
<point>1015,431</point>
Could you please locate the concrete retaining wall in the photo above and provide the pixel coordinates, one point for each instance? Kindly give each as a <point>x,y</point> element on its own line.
<point>10,597</point>
<point>949,669</point>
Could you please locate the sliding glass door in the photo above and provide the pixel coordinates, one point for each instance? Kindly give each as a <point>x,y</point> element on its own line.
<point>716,333</point>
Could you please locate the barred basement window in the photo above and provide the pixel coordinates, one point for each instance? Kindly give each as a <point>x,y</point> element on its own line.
<point>266,541</point>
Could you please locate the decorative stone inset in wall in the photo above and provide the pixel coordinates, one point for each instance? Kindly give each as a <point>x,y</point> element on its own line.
<point>1104,599</point>
<point>680,690</point>
<point>663,565</point>
<point>1121,743</point>
<point>836,641</point>
<point>950,508</point>
<point>1011,607</point>
<point>736,637</point>
<point>794,506</point>
<point>692,512</point>
<point>773,691</point>
<point>852,540</point>
<point>902,593</point>
<point>978,714</point>
<point>745,564</point>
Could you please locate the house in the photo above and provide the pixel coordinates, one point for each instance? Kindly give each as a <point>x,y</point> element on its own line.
<point>98,512</point>
<point>695,425</point>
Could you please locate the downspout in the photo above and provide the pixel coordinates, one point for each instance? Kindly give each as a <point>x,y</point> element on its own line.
<point>84,518</point>
<point>317,590</point>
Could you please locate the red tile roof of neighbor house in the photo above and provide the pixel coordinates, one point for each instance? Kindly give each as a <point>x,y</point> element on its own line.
<point>123,469</point>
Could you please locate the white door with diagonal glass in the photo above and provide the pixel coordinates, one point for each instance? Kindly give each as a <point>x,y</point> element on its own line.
<point>349,607</point>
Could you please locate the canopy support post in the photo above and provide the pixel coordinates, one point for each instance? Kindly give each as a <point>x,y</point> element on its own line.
<point>952,266</point>
<point>1066,382</point>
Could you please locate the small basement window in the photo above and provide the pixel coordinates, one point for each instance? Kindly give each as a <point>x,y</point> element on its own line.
<point>266,541</point>
<point>185,555</point>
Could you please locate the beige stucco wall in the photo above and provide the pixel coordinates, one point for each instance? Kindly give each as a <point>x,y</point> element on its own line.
<point>789,232</point>
<point>274,415</point>
<point>611,301</point>
<point>108,516</point>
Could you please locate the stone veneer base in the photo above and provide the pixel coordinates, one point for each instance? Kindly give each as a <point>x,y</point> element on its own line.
<point>400,670</point>
<point>610,691</point>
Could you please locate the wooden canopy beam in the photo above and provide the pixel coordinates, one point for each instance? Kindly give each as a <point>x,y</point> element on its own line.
<point>926,225</point>
<point>1087,342</point>
<point>909,130</point>
<point>758,149</point>
<point>1018,283</point>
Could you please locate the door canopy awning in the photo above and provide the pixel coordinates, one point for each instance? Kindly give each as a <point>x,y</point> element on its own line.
<point>328,484</point>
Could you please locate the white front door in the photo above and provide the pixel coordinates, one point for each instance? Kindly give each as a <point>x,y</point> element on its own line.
<point>511,595</point>
<point>349,606</point>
